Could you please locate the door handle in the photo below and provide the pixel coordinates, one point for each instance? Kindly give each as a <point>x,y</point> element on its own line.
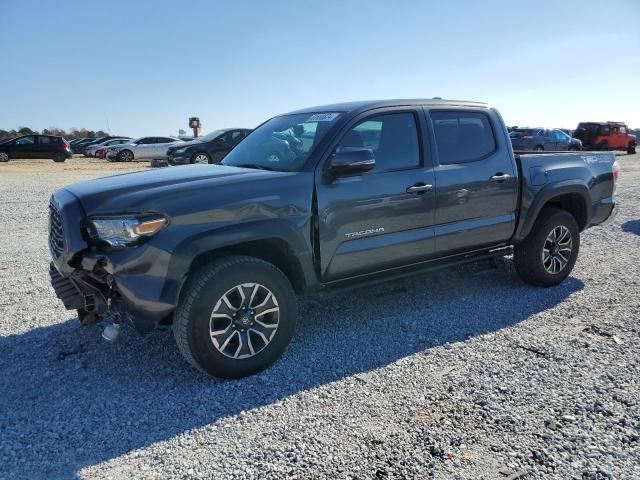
<point>419,188</point>
<point>500,177</point>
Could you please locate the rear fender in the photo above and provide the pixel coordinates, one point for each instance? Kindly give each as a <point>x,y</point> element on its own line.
<point>531,211</point>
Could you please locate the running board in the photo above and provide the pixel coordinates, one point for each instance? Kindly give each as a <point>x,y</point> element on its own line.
<point>365,280</point>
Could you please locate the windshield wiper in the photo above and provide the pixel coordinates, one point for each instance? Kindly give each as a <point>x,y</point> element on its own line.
<point>255,165</point>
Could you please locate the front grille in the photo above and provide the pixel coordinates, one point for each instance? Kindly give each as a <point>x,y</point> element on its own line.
<point>56,237</point>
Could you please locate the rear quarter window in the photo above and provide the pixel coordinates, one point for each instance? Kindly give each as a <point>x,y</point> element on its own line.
<point>462,137</point>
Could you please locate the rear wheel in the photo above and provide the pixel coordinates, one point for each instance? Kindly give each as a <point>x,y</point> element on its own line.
<point>200,157</point>
<point>236,317</point>
<point>604,146</point>
<point>548,254</point>
<point>4,157</point>
<point>538,148</point>
<point>631,149</point>
<point>125,156</point>
<point>59,157</point>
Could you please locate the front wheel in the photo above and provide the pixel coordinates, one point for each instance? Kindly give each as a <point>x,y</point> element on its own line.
<point>604,146</point>
<point>236,317</point>
<point>631,149</point>
<point>59,157</point>
<point>200,158</point>
<point>548,254</point>
<point>538,148</point>
<point>4,157</point>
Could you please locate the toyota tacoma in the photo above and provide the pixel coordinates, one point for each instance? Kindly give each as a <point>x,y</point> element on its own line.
<point>316,199</point>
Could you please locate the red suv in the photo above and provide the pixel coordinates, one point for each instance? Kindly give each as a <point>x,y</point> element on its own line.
<point>605,136</point>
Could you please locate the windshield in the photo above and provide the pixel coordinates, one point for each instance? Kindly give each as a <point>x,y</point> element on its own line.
<point>211,136</point>
<point>283,143</point>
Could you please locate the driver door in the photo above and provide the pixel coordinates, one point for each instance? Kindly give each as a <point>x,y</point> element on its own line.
<point>383,218</point>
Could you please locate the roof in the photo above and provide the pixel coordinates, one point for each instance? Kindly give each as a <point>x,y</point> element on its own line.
<point>348,107</point>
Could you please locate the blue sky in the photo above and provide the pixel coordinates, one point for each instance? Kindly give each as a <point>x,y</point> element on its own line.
<point>146,66</point>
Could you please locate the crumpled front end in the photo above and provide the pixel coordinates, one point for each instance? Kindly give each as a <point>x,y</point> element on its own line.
<point>99,284</point>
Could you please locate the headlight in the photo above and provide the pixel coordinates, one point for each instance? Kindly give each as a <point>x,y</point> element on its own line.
<point>125,231</point>
<point>180,150</point>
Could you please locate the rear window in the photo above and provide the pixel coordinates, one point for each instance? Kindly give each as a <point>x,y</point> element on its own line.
<point>462,137</point>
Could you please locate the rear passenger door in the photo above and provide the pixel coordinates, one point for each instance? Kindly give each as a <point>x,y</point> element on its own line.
<point>475,180</point>
<point>44,147</point>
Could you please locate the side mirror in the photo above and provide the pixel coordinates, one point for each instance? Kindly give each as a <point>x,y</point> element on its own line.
<point>350,160</point>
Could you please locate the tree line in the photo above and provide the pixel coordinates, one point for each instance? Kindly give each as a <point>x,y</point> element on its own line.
<point>71,134</point>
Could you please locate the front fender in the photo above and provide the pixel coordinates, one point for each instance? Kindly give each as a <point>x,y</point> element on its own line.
<point>232,235</point>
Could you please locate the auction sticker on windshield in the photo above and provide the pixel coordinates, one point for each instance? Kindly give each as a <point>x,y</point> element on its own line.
<point>322,117</point>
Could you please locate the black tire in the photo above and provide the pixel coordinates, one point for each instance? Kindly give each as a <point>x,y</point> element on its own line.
<point>604,146</point>
<point>538,148</point>
<point>204,292</point>
<point>196,157</point>
<point>4,157</point>
<point>631,149</point>
<point>125,156</point>
<point>59,157</point>
<point>528,255</point>
<point>573,148</point>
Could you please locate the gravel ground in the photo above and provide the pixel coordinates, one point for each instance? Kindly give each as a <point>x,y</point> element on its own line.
<point>466,373</point>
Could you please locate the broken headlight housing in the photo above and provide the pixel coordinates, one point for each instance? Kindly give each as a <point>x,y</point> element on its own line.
<point>124,231</point>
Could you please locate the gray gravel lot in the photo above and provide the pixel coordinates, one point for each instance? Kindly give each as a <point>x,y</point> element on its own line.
<point>466,373</point>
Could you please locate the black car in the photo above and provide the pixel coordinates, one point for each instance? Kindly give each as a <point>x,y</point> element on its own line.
<point>35,146</point>
<point>210,148</point>
<point>536,139</point>
<point>78,147</point>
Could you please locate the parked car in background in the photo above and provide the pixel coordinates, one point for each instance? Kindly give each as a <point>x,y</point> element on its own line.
<point>537,139</point>
<point>210,148</point>
<point>78,147</point>
<point>36,146</point>
<point>90,150</point>
<point>141,148</point>
<point>100,140</point>
<point>606,136</point>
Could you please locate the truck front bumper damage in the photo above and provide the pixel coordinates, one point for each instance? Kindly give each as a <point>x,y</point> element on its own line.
<point>97,293</point>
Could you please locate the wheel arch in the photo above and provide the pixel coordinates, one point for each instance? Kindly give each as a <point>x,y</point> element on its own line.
<point>572,198</point>
<point>275,251</point>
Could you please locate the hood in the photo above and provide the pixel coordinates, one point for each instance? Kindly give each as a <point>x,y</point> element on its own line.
<point>162,189</point>
<point>187,143</point>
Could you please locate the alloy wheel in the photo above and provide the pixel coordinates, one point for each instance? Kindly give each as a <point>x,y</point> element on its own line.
<point>557,249</point>
<point>201,158</point>
<point>244,320</point>
<point>3,157</point>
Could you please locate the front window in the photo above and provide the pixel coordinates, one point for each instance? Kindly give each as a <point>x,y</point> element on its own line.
<point>211,136</point>
<point>283,143</point>
<point>26,141</point>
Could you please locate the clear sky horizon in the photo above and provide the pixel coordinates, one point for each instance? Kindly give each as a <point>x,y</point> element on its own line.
<point>144,67</point>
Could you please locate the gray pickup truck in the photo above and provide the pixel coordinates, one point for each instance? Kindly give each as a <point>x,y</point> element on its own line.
<point>320,198</point>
